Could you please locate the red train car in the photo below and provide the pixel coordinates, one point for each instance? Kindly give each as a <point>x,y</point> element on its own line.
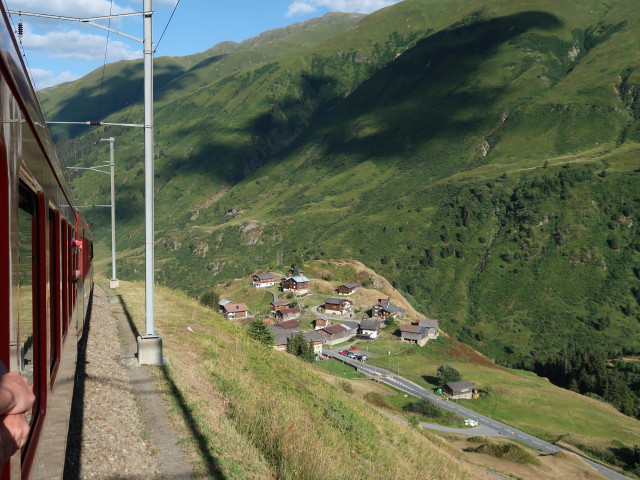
<point>45,268</point>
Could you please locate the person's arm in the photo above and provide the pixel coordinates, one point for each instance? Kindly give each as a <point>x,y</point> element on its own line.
<point>16,398</point>
<point>14,431</point>
<point>16,395</point>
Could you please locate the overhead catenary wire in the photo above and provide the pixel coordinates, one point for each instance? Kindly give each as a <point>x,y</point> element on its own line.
<point>135,98</point>
<point>104,64</point>
<point>24,52</point>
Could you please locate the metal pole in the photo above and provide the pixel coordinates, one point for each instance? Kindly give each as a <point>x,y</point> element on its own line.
<point>148,166</point>
<point>114,283</point>
<point>149,344</point>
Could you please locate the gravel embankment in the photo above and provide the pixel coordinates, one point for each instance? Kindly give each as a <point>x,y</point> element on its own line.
<point>118,425</point>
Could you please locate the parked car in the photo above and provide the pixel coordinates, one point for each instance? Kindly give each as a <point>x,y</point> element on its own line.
<point>353,347</point>
<point>344,352</point>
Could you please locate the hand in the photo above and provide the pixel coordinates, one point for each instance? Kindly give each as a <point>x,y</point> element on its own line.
<point>16,393</point>
<point>14,432</point>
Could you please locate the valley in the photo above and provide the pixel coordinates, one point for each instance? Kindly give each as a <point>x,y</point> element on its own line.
<point>480,156</point>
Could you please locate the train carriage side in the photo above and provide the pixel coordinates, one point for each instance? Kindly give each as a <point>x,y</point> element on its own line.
<point>45,269</point>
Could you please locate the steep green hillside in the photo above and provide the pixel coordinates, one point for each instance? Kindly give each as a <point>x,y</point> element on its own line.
<point>482,154</point>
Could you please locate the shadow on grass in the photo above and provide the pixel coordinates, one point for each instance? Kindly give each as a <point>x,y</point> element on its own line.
<point>200,437</point>
<point>431,380</point>
<point>202,441</point>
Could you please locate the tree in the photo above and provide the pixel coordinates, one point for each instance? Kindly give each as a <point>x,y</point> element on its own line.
<point>299,347</point>
<point>448,374</point>
<point>210,299</point>
<point>259,331</point>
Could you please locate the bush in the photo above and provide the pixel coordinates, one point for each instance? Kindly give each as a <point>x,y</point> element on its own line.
<point>210,300</point>
<point>448,374</point>
<point>425,407</point>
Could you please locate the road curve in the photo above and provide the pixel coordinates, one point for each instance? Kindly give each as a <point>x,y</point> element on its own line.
<point>393,380</point>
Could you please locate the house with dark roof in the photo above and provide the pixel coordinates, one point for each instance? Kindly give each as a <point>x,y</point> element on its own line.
<point>235,311</point>
<point>337,334</point>
<point>414,334</point>
<point>282,337</point>
<point>337,306</point>
<point>263,280</point>
<point>461,389</point>
<point>290,325</point>
<point>348,288</point>
<point>287,314</point>
<point>278,304</point>
<point>370,329</point>
<point>433,327</point>
<point>385,309</point>
<point>298,284</point>
<point>316,339</point>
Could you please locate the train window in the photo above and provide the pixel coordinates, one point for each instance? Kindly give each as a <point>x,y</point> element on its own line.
<point>54,282</point>
<point>28,285</point>
<point>65,278</point>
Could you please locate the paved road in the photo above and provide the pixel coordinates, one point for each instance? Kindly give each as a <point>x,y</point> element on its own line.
<point>389,378</point>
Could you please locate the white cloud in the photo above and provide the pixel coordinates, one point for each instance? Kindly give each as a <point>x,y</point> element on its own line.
<point>79,46</point>
<point>69,8</point>
<point>297,8</point>
<point>46,78</point>
<point>357,6</point>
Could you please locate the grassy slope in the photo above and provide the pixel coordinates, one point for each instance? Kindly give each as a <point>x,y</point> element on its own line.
<point>264,414</point>
<point>217,370</point>
<point>413,143</point>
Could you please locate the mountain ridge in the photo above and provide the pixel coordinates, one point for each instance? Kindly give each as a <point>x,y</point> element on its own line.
<point>473,152</point>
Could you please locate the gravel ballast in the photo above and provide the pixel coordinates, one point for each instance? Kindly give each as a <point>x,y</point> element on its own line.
<point>119,426</point>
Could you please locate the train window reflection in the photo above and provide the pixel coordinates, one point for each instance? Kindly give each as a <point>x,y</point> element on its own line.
<point>27,218</point>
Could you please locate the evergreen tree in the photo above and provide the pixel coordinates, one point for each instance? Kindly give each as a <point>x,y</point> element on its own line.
<point>259,331</point>
<point>299,347</point>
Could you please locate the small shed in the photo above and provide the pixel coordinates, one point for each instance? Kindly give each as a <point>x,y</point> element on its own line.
<point>461,389</point>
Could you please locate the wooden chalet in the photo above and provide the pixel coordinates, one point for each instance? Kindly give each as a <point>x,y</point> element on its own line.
<point>263,280</point>
<point>348,288</point>
<point>337,334</point>
<point>284,314</point>
<point>321,322</point>
<point>337,306</point>
<point>235,311</point>
<point>369,329</point>
<point>279,304</point>
<point>298,284</point>
<point>386,309</point>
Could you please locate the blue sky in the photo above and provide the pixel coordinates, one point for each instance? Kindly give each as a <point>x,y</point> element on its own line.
<point>59,51</point>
